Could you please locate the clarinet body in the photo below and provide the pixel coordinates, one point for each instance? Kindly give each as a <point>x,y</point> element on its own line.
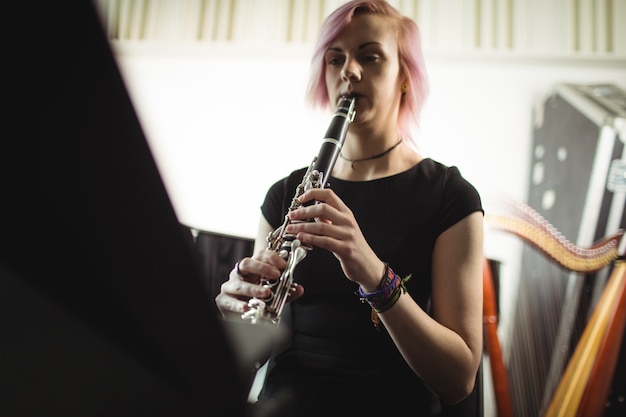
<point>286,245</point>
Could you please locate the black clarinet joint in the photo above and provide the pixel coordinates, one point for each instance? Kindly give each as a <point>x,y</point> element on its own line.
<point>286,245</point>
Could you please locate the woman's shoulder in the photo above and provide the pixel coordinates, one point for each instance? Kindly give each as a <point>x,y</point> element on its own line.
<point>449,174</point>
<point>427,170</point>
<point>433,167</point>
<point>450,182</point>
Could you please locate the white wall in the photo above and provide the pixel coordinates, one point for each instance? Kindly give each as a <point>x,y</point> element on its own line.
<point>224,124</point>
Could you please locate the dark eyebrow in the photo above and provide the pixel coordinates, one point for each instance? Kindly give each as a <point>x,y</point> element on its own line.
<point>366,44</point>
<point>361,46</point>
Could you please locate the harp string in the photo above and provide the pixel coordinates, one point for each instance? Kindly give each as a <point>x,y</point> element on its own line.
<point>594,397</point>
<point>553,301</point>
<point>568,396</point>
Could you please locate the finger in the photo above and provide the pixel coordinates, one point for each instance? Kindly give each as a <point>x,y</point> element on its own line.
<point>227,303</point>
<point>297,292</point>
<point>333,209</point>
<point>265,265</point>
<point>242,275</point>
<point>243,290</point>
<point>325,195</point>
<point>337,246</point>
<point>320,212</point>
<point>328,229</point>
<point>329,222</point>
<point>270,257</point>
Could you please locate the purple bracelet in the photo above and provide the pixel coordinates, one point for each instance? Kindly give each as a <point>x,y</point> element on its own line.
<point>389,284</point>
<point>386,280</point>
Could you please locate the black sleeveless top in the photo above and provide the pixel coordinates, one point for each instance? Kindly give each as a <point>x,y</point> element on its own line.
<point>335,359</point>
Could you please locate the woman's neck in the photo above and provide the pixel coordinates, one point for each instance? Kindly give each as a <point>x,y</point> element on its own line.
<point>363,160</point>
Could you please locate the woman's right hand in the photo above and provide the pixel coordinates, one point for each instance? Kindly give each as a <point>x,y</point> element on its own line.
<point>244,278</point>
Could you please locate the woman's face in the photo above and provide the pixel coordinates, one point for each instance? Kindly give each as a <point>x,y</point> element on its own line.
<point>363,61</point>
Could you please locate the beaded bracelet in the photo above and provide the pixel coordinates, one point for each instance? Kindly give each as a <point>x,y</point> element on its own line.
<point>389,291</point>
<point>388,285</point>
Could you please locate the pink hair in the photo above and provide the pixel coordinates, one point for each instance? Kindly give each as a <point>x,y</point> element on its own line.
<point>409,54</point>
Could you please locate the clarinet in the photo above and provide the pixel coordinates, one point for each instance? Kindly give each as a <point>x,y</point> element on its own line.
<point>287,245</point>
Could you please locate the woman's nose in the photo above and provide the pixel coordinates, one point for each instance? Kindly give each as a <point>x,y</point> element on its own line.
<point>350,71</point>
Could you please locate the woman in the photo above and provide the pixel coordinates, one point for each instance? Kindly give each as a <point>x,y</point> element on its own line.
<point>390,214</point>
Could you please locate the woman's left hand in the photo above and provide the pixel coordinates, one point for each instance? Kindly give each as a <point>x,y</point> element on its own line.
<point>336,230</point>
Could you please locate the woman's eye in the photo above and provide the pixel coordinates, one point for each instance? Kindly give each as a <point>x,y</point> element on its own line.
<point>335,61</point>
<point>370,58</point>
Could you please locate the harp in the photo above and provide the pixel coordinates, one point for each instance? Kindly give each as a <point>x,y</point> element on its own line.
<point>568,299</point>
<point>584,384</point>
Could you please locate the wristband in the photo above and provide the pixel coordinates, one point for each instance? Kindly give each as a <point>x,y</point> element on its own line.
<point>389,291</point>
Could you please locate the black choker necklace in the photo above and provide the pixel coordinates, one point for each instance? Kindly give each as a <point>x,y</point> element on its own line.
<point>354,161</point>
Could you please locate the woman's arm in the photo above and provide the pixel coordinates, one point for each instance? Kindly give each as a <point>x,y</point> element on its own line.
<point>445,350</point>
